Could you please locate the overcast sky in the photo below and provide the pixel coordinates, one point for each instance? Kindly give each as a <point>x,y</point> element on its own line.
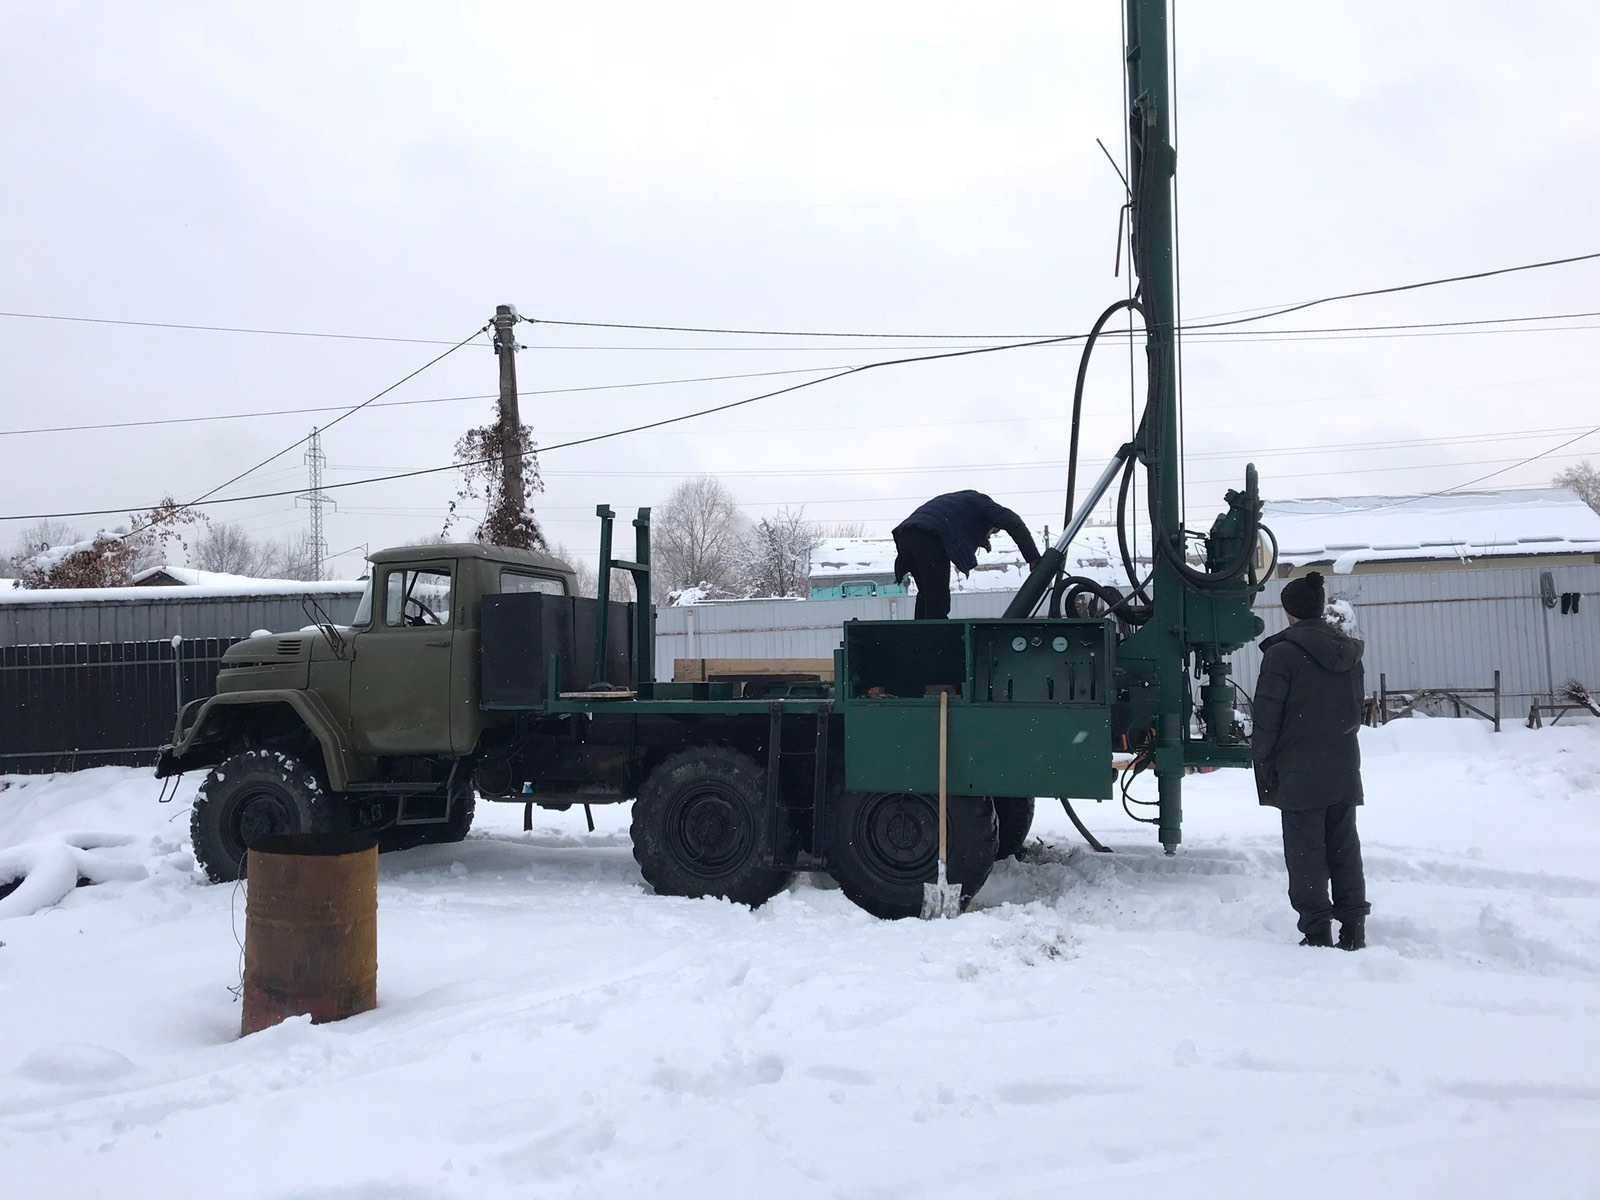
<point>398,169</point>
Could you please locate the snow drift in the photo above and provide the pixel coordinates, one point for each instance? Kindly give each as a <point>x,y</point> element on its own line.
<point>1129,1024</point>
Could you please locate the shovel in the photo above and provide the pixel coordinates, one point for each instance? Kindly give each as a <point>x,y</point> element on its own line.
<point>942,899</point>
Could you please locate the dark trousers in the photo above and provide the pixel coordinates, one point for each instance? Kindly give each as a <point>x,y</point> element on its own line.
<point>920,554</point>
<point>1321,845</point>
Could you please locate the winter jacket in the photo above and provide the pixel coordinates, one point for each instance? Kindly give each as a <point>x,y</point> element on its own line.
<point>963,522</point>
<point>1306,714</point>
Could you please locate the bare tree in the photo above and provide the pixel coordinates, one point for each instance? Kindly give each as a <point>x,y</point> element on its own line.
<point>113,556</point>
<point>294,558</point>
<point>1584,479</point>
<point>228,550</point>
<point>698,537</point>
<point>778,555</point>
<point>41,535</point>
<point>842,529</point>
<point>586,579</point>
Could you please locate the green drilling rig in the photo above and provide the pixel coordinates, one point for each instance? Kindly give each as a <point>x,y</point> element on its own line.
<point>467,673</point>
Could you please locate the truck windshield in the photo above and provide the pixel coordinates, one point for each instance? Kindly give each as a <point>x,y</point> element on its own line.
<point>364,608</point>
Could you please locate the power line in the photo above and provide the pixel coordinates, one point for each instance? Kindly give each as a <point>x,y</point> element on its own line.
<point>806,333</point>
<point>1457,439</point>
<point>1200,336</point>
<point>1441,326</point>
<point>951,468</point>
<point>1209,455</point>
<point>298,333</point>
<point>689,416</point>
<point>432,510</point>
<point>661,328</point>
<point>1259,314</point>
<point>321,408</point>
<point>206,496</point>
<point>349,412</point>
<point>422,511</point>
<point>1460,487</point>
<point>600,437</point>
<point>1394,289</point>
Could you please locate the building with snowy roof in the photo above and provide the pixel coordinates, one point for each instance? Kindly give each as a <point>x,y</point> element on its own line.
<point>167,575</point>
<point>849,568</point>
<point>1345,535</point>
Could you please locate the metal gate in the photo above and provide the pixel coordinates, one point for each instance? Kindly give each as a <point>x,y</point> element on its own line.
<point>94,704</point>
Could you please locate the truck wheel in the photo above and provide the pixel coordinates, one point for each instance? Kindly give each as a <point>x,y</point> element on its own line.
<point>883,846</point>
<point>243,799</point>
<point>699,826</point>
<point>1014,816</point>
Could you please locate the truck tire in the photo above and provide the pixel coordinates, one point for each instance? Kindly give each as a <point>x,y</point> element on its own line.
<point>252,795</point>
<point>883,846</point>
<point>1014,817</point>
<point>700,825</point>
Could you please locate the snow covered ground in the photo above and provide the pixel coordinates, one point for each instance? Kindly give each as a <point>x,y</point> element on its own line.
<point>1123,1025</point>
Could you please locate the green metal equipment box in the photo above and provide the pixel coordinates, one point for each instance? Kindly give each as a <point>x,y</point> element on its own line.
<point>1030,706</point>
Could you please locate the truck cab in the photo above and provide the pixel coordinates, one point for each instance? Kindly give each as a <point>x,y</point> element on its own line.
<point>371,725</point>
<point>413,669</point>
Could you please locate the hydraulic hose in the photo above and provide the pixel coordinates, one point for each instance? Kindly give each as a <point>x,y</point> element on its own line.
<point>1077,392</point>
<point>1070,587</point>
<point>1140,588</point>
<point>1272,563</point>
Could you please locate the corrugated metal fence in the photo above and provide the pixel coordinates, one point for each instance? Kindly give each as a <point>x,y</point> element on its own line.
<point>1435,629</point>
<point>127,615</point>
<point>91,681</point>
<point>96,704</point>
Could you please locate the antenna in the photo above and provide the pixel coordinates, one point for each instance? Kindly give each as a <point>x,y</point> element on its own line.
<point>316,501</point>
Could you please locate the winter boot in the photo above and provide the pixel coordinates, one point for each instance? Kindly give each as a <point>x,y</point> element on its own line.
<point>1353,934</point>
<point>1320,934</point>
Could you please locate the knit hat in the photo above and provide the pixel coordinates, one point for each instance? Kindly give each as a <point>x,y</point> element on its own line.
<point>1304,597</point>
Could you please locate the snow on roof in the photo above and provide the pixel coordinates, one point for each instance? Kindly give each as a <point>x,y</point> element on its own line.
<point>1093,553</point>
<point>1347,530</point>
<point>191,577</point>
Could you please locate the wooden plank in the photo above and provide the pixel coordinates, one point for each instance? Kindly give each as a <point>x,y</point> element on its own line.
<point>709,670</point>
<point>605,695</point>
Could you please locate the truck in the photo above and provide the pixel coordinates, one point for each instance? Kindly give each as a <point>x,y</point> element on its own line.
<point>474,671</point>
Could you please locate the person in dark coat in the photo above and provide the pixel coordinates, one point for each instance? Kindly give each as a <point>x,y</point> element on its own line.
<point>1307,711</point>
<point>948,530</point>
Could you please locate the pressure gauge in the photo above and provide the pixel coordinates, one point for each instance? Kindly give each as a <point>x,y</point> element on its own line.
<point>1019,643</point>
<point>1059,645</point>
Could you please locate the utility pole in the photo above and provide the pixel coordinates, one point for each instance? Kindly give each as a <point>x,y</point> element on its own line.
<point>314,498</point>
<point>505,348</point>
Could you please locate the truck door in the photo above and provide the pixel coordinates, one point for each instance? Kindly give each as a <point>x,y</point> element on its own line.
<point>400,678</point>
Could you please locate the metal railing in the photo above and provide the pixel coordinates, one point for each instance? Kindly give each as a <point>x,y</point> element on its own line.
<point>1460,699</point>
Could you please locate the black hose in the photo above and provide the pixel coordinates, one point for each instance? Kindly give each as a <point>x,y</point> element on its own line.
<point>1140,589</point>
<point>1077,394</point>
<point>1272,564</point>
<point>1095,843</point>
<point>1070,587</point>
<point>1224,576</point>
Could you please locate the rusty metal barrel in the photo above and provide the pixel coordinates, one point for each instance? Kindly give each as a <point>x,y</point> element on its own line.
<point>311,929</point>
